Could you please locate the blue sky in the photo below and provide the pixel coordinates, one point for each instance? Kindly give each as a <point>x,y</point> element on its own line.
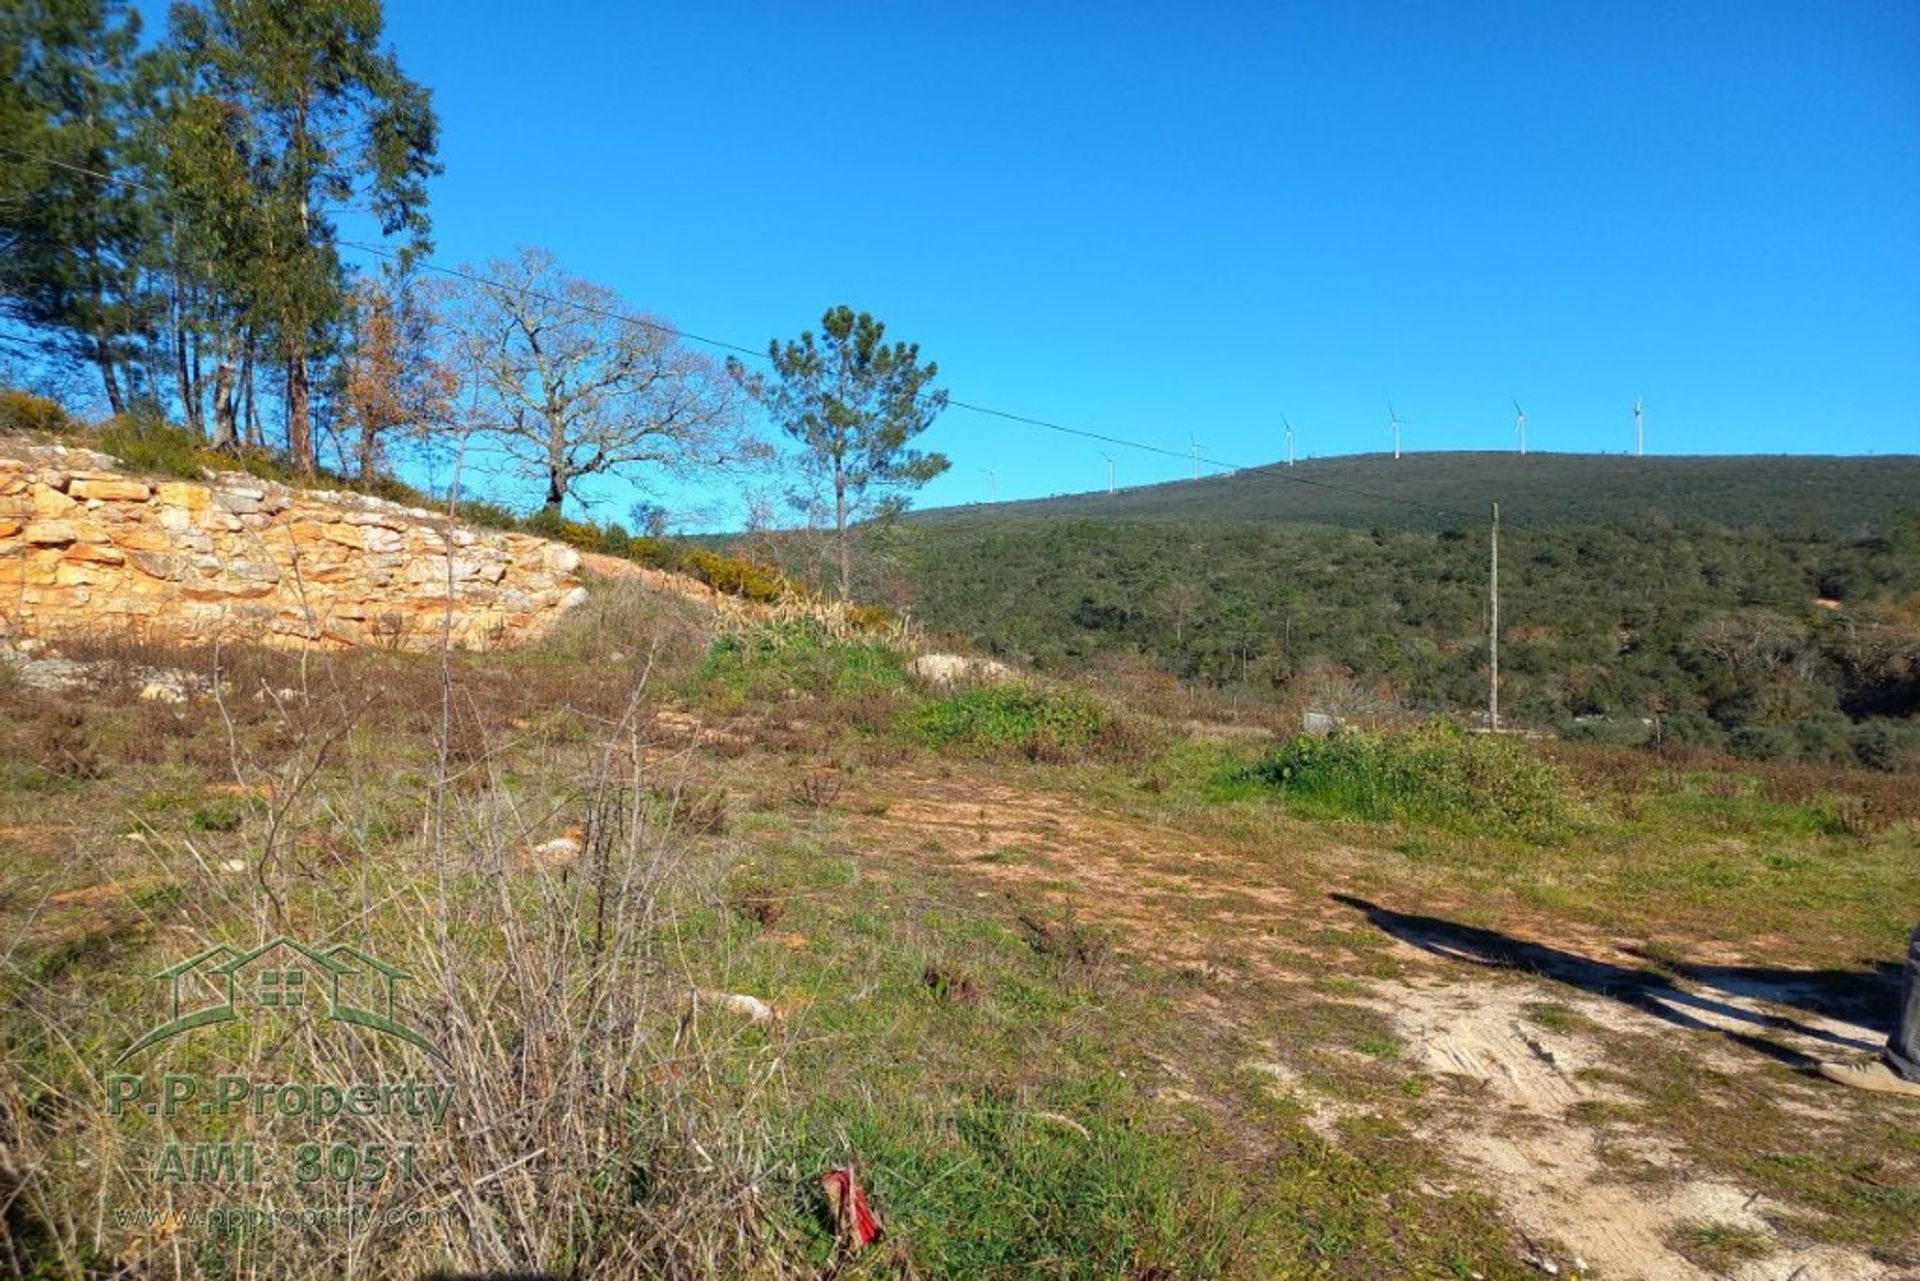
<point>1156,221</point>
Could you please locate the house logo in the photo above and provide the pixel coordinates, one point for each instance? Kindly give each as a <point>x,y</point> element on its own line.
<point>225,985</point>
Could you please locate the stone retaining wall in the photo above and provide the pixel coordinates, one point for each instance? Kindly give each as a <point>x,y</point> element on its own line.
<point>86,547</point>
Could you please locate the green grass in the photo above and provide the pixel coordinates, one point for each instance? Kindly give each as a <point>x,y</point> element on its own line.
<point>767,661</point>
<point>1720,1247</point>
<point>1436,773</point>
<point>1041,724</point>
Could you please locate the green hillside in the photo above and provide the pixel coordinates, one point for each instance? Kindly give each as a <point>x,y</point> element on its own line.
<point>1768,606</point>
<point>1782,492</point>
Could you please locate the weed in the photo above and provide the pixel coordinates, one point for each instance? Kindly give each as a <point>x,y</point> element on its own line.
<point>1720,1247</point>
<point>1047,725</point>
<point>1065,938</point>
<point>1436,773</point>
<point>956,987</point>
<point>818,789</point>
<point>224,815</point>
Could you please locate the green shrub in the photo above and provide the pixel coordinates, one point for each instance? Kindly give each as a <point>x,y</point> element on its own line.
<point>157,447</point>
<point>1054,725</point>
<point>1436,773</point>
<point>549,523</point>
<point>767,661</point>
<point>22,411</point>
<point>478,511</point>
<point>660,553</point>
<point>871,618</point>
<point>737,577</point>
<point>150,445</point>
<point>1886,744</point>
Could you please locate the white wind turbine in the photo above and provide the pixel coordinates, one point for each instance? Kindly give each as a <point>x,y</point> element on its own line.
<point>1639,428</point>
<point>1109,458</point>
<point>1520,426</point>
<point>1289,427</point>
<point>1393,417</point>
<point>1196,455</point>
<point>993,484</point>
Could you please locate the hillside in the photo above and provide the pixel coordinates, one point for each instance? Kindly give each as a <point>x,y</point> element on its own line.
<point>1797,493</point>
<point>692,918</point>
<point>1763,605</point>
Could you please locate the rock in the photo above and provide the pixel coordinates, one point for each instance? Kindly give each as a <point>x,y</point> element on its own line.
<point>752,1008</point>
<point>944,671</point>
<point>83,545</point>
<point>110,490</point>
<point>561,851</point>
<point>50,533</point>
<point>164,691</point>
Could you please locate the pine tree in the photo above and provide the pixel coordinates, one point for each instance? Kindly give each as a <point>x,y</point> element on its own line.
<point>854,405</point>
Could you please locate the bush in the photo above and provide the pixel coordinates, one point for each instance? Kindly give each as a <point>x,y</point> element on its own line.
<point>1436,773</point>
<point>1040,724</point>
<point>22,411</point>
<point>1887,744</point>
<point>737,577</point>
<point>767,661</point>
<point>478,511</point>
<point>549,523</point>
<point>149,445</point>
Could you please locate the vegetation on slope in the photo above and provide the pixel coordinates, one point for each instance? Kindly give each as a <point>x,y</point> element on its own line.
<point>1773,646</point>
<point>1779,493</point>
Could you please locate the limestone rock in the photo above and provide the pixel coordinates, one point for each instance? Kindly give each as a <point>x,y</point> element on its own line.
<point>944,671</point>
<point>84,546</point>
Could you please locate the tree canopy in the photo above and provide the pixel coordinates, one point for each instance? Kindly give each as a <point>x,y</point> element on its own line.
<point>854,405</point>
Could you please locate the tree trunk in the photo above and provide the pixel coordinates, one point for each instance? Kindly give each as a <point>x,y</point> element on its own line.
<point>225,433</point>
<point>299,409</point>
<point>840,527</point>
<point>369,443</point>
<point>250,415</point>
<point>183,378</point>
<point>557,476</point>
<point>109,376</point>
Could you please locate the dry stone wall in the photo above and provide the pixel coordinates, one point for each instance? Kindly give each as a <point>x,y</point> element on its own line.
<point>86,547</point>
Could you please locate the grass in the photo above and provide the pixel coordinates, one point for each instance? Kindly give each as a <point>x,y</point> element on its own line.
<point>1436,773</point>
<point>1004,1120</point>
<point>1051,725</point>
<point>1720,1247</point>
<point>1026,1083</point>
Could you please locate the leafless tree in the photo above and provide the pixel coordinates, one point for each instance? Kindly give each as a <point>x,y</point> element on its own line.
<point>575,384</point>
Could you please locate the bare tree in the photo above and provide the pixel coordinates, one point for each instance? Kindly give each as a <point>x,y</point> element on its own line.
<point>575,384</point>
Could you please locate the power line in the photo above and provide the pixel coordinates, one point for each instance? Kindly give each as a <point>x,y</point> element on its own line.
<point>1276,471</point>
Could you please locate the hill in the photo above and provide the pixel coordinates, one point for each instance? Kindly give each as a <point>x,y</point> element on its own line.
<point>1431,491</point>
<point>1767,605</point>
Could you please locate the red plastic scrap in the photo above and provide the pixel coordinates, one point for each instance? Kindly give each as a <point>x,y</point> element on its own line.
<point>852,1215</point>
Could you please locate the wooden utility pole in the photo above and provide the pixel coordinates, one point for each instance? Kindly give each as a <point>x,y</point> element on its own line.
<point>1493,628</point>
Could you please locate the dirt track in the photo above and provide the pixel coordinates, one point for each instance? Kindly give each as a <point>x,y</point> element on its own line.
<point>1537,1125</point>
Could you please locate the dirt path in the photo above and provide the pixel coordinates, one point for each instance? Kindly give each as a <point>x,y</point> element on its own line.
<point>1539,1123</point>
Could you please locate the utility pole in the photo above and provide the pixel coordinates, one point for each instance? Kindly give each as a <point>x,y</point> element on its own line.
<point>1493,629</point>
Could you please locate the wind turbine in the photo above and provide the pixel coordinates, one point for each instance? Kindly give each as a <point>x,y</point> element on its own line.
<point>1289,427</point>
<point>1639,428</point>
<point>1520,426</point>
<point>1109,458</point>
<point>1196,455</point>
<point>1394,418</point>
<point>993,484</point>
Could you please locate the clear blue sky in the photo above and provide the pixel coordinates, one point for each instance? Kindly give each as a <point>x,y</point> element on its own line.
<point>1171,219</point>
